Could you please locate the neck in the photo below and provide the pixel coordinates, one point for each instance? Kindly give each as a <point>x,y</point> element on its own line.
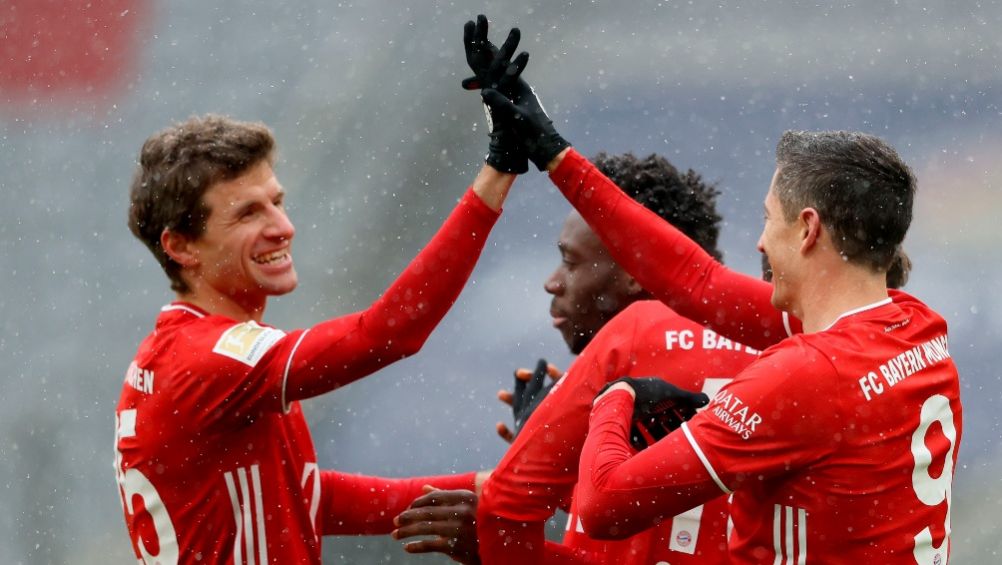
<point>836,290</point>
<point>215,302</point>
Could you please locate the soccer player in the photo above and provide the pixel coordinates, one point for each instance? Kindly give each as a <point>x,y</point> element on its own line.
<point>538,472</point>
<point>214,460</point>
<point>838,444</point>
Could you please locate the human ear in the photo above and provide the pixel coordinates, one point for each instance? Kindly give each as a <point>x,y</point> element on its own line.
<point>178,247</point>
<point>810,225</point>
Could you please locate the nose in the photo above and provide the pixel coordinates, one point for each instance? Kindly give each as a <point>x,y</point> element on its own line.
<point>554,283</point>
<point>280,226</point>
<point>760,246</point>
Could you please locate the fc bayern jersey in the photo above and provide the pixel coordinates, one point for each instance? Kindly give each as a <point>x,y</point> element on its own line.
<point>211,466</point>
<point>213,457</point>
<point>839,447</point>
<point>539,471</point>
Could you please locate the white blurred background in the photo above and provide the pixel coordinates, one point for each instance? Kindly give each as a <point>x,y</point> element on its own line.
<point>377,140</point>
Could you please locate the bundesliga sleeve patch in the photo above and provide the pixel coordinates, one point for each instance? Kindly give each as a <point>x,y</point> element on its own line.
<point>247,342</point>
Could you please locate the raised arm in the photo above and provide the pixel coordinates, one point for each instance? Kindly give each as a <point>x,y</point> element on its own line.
<point>339,351</point>
<point>666,262</point>
<point>662,259</point>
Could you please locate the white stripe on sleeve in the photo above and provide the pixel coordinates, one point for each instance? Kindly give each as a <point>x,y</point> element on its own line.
<point>702,457</point>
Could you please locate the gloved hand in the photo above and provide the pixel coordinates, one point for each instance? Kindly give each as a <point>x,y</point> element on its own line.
<point>659,408</point>
<point>536,134</point>
<point>529,387</point>
<point>527,396</point>
<point>493,67</point>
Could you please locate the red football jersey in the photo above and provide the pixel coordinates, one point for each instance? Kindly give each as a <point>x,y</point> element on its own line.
<point>839,447</point>
<point>539,471</point>
<point>214,460</point>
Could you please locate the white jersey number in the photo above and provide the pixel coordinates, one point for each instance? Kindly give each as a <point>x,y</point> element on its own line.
<point>132,483</point>
<point>930,490</point>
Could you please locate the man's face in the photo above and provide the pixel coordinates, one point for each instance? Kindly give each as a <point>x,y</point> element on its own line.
<point>588,287</point>
<point>780,244</point>
<point>245,251</point>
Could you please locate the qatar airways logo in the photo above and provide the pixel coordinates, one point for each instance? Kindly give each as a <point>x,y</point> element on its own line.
<point>735,414</point>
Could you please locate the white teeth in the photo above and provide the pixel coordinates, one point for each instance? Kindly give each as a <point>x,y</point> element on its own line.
<point>271,257</point>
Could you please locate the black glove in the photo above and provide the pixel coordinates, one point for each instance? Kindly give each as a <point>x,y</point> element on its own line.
<point>659,408</point>
<point>493,68</point>
<point>535,130</point>
<point>528,395</point>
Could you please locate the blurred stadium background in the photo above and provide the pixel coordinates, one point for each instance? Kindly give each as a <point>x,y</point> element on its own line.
<point>377,141</point>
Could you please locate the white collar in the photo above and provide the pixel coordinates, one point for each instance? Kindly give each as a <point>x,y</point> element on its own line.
<point>877,304</point>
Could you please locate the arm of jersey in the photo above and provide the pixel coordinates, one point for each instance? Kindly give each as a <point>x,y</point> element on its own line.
<point>621,494</point>
<point>538,472</point>
<point>361,505</point>
<point>670,265</point>
<point>339,351</point>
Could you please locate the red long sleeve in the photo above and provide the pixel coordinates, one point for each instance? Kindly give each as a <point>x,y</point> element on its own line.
<point>620,493</point>
<point>342,350</point>
<point>362,505</point>
<point>667,263</point>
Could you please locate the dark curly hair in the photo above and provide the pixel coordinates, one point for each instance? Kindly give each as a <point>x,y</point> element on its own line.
<point>176,167</point>
<point>683,199</point>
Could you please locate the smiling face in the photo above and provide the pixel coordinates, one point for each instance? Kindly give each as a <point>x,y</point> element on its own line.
<point>244,254</point>
<point>588,287</point>
<point>780,244</point>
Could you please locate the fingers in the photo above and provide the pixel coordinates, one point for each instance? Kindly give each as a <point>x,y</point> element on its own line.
<point>514,70</point>
<point>447,528</point>
<point>523,374</point>
<point>472,83</point>
<point>442,499</point>
<point>554,373</point>
<point>538,377</point>
<point>469,29</point>
<point>507,48</point>
<point>481,28</point>
<point>518,393</point>
<point>498,103</point>
<point>438,545</point>
<point>505,432</point>
<point>506,396</point>
<point>701,400</point>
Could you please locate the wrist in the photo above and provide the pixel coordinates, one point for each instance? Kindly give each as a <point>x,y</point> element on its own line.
<point>616,387</point>
<point>492,185</point>
<point>555,162</point>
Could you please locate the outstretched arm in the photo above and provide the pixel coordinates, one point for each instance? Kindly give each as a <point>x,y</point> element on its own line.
<point>667,263</point>
<point>662,259</point>
<point>362,505</point>
<point>339,351</point>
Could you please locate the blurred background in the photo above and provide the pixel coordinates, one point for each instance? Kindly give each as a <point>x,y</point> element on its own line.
<point>377,141</point>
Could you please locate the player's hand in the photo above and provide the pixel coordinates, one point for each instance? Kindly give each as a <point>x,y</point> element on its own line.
<point>658,408</point>
<point>493,67</point>
<point>530,390</point>
<point>535,131</point>
<point>448,515</point>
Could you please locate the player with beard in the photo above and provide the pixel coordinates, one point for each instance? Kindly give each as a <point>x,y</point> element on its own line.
<point>538,472</point>
<point>839,443</point>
